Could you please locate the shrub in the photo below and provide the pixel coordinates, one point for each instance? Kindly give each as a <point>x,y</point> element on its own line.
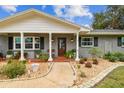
<point>1,55</point>
<point>82,74</point>
<point>95,61</point>
<point>95,52</point>
<point>9,61</point>
<point>78,66</point>
<point>113,58</point>
<point>81,61</point>
<point>121,58</point>
<point>44,57</point>
<point>24,61</point>
<point>117,54</point>
<point>10,52</point>
<point>107,55</point>
<point>14,69</point>
<point>85,58</point>
<point>17,55</point>
<point>38,52</point>
<point>88,64</point>
<point>70,54</point>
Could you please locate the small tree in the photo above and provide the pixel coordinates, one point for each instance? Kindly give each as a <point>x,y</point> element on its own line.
<point>95,52</point>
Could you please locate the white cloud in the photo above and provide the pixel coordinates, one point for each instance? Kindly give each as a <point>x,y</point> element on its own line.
<point>71,12</point>
<point>43,7</point>
<point>88,26</point>
<point>9,8</point>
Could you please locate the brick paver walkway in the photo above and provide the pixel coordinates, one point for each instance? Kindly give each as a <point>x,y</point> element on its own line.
<point>61,75</point>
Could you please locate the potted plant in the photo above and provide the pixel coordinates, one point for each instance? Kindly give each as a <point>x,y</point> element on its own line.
<point>9,54</point>
<point>37,53</point>
<point>43,57</point>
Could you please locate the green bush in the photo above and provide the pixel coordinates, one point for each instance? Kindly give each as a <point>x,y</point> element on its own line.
<point>121,58</point>
<point>82,74</point>
<point>85,58</point>
<point>70,53</point>
<point>118,54</point>
<point>82,61</point>
<point>113,58</point>
<point>107,55</point>
<point>18,54</point>
<point>9,61</point>
<point>24,61</point>
<point>10,52</point>
<point>44,57</point>
<point>14,69</point>
<point>95,61</point>
<point>78,66</point>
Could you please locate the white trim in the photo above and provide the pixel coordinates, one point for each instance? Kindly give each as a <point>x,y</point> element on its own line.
<point>122,40</point>
<point>22,48</point>
<point>14,44</point>
<point>77,47</point>
<point>87,45</point>
<point>50,47</point>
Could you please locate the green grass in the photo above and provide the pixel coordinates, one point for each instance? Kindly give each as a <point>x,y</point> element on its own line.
<point>114,80</point>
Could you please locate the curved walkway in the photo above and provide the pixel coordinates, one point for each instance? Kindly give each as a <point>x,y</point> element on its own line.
<point>61,75</point>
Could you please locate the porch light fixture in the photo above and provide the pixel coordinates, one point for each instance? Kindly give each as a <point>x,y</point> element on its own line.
<point>72,39</point>
<point>53,40</point>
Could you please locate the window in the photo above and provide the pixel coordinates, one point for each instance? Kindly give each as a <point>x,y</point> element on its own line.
<point>37,43</point>
<point>122,41</point>
<point>87,41</point>
<point>17,42</point>
<point>29,43</point>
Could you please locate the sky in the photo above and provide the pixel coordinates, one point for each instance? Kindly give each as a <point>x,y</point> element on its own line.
<point>80,14</point>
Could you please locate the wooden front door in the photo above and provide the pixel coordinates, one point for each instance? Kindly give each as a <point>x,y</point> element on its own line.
<point>61,46</point>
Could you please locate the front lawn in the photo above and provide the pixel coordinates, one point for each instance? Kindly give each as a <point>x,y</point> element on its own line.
<point>114,80</point>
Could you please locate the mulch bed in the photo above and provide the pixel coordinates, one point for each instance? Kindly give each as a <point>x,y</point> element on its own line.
<point>42,69</point>
<point>90,72</point>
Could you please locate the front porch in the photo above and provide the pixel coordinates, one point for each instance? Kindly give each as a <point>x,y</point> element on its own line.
<point>55,45</point>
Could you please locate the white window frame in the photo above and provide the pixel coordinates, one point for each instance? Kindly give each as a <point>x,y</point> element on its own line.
<point>14,44</point>
<point>35,43</point>
<point>122,40</point>
<point>87,45</point>
<point>32,43</point>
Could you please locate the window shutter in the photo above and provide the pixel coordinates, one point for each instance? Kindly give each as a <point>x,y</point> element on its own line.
<point>10,42</point>
<point>119,41</point>
<point>41,42</point>
<point>79,41</point>
<point>95,41</point>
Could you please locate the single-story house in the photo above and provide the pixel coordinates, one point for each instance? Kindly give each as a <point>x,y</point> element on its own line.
<point>34,30</point>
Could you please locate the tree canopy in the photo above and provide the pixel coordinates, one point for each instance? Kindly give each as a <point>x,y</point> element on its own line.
<point>112,18</point>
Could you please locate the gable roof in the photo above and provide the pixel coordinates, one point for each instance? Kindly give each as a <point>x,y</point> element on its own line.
<point>44,14</point>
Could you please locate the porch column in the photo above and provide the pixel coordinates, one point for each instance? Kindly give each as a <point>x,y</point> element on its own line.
<point>22,46</point>
<point>77,47</point>
<point>50,47</point>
